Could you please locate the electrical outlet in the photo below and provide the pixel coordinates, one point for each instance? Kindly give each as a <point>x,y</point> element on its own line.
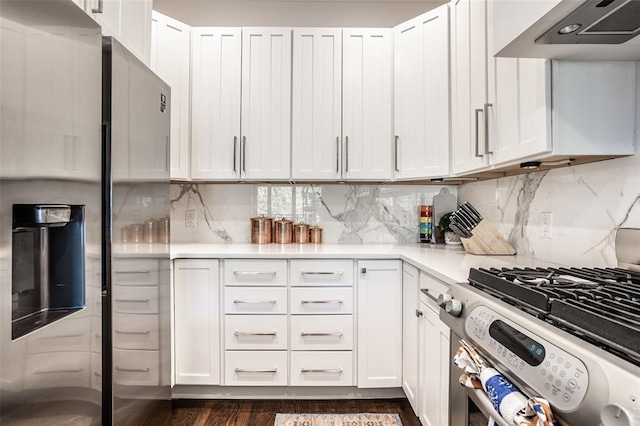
<point>546,223</point>
<point>310,217</point>
<point>190,219</point>
<point>405,219</point>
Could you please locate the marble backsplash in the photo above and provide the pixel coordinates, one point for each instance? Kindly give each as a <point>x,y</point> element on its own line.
<point>348,214</point>
<point>588,204</point>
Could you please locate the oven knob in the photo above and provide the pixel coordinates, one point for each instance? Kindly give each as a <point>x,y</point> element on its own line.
<point>443,299</point>
<point>619,415</point>
<point>453,307</point>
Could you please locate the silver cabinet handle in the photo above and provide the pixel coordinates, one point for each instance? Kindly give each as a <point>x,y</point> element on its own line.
<point>132,332</point>
<point>322,301</point>
<point>335,333</point>
<point>249,333</point>
<point>78,370</point>
<point>322,273</point>
<point>61,336</point>
<point>133,300</point>
<point>97,374</point>
<point>321,370</point>
<point>244,154</point>
<point>132,370</point>
<point>396,153</point>
<point>478,110</point>
<point>253,273</point>
<point>256,370</point>
<point>418,313</point>
<point>99,9</point>
<point>237,301</point>
<point>346,152</point>
<point>235,145</point>
<point>132,272</point>
<point>337,154</point>
<point>486,128</point>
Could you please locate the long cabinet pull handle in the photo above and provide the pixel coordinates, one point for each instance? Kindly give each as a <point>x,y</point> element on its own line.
<point>251,333</point>
<point>132,370</point>
<point>337,154</point>
<point>99,9</point>
<point>486,128</point>
<point>133,300</point>
<point>254,273</point>
<point>61,336</point>
<point>132,272</point>
<point>133,332</point>
<point>478,155</point>
<point>256,302</point>
<point>235,146</point>
<point>256,370</point>
<point>339,273</point>
<point>397,139</point>
<point>244,154</point>
<point>334,302</point>
<point>346,153</point>
<point>78,370</point>
<point>335,333</point>
<point>321,370</point>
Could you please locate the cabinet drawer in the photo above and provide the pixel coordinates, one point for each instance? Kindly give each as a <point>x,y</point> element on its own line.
<point>96,335</point>
<point>96,371</point>
<point>72,334</point>
<point>322,332</point>
<point>58,369</point>
<point>255,300</point>
<point>434,287</point>
<point>315,273</point>
<point>327,300</point>
<point>253,368</point>
<point>255,272</point>
<point>135,300</point>
<point>322,368</point>
<point>140,368</point>
<point>265,332</point>
<point>131,331</point>
<point>135,272</point>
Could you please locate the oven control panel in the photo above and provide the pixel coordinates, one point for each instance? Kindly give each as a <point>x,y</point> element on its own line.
<point>555,374</point>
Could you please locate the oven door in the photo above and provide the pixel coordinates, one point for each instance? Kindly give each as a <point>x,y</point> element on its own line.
<point>468,407</point>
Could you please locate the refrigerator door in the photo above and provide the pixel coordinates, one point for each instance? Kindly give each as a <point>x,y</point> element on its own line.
<point>137,278</point>
<point>50,257</point>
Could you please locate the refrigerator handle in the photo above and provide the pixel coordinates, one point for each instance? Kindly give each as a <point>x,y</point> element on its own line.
<point>106,209</point>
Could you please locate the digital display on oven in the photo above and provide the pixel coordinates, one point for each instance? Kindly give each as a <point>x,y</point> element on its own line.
<point>519,343</point>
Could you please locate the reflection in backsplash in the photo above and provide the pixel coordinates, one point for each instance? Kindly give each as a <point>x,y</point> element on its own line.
<point>136,207</point>
<point>348,214</point>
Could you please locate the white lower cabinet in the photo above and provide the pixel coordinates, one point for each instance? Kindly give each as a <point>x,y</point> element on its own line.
<point>322,368</point>
<point>261,332</point>
<point>379,324</point>
<point>322,332</point>
<point>410,335</point>
<point>255,368</point>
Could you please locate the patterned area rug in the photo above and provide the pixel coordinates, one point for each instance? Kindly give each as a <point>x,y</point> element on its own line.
<point>361,419</point>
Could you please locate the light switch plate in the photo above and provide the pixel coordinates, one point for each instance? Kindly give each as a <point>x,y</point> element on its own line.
<point>546,224</point>
<point>190,218</point>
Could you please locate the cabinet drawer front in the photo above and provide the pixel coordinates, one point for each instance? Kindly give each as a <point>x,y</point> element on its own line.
<point>72,334</point>
<point>255,300</point>
<point>141,368</point>
<point>253,368</point>
<point>434,287</point>
<point>58,369</point>
<point>322,368</point>
<point>322,332</point>
<point>266,332</point>
<point>131,331</point>
<point>135,300</point>
<point>96,371</point>
<point>314,273</point>
<point>135,272</point>
<point>255,272</point>
<point>326,300</point>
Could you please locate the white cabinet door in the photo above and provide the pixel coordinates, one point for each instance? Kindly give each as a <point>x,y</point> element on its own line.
<point>266,103</point>
<point>172,65</point>
<point>422,96</point>
<point>136,28</point>
<point>108,14</point>
<point>197,322</point>
<point>316,110</point>
<point>215,113</point>
<point>469,85</point>
<point>367,122</point>
<point>410,335</point>
<point>379,324</point>
<point>434,375</point>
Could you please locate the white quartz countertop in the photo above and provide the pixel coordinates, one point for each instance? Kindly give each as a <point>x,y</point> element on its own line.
<point>137,251</point>
<point>450,264</point>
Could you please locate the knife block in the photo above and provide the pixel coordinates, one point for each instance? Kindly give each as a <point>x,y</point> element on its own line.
<point>486,241</point>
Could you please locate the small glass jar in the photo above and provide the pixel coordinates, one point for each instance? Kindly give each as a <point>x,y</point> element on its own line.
<point>137,232</point>
<point>125,234</point>
<point>150,233</point>
<point>163,230</point>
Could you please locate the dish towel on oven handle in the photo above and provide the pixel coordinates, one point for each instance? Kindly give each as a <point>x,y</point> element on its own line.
<point>515,408</point>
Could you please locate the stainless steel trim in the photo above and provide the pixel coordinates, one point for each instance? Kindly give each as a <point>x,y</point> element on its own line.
<point>256,370</point>
<point>397,138</point>
<point>78,370</point>
<point>337,154</point>
<point>254,273</point>
<point>99,9</point>
<point>335,333</point>
<point>251,333</point>
<point>133,300</point>
<point>244,154</point>
<point>132,332</point>
<point>235,146</point>
<point>486,128</point>
<point>346,153</point>
<point>273,302</point>
<point>132,370</point>
<point>321,370</point>
<point>478,155</point>
<point>322,273</point>
<point>321,301</point>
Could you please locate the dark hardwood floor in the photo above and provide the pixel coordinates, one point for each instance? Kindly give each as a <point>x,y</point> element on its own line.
<point>263,412</point>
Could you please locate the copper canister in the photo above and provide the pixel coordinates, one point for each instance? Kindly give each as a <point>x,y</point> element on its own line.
<point>301,233</point>
<point>284,231</point>
<point>315,235</point>
<point>150,231</point>
<point>163,230</point>
<point>260,230</point>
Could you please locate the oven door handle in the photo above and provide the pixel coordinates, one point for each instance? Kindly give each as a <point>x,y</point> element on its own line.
<point>483,402</point>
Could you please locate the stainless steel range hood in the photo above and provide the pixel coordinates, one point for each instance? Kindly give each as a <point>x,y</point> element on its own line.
<point>566,29</point>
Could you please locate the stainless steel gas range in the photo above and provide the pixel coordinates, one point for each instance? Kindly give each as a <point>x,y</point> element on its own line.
<point>569,335</point>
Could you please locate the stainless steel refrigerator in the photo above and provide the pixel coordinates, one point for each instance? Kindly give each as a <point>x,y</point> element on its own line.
<point>84,188</point>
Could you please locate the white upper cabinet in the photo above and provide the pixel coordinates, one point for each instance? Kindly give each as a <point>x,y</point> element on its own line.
<point>266,103</point>
<point>422,96</point>
<point>215,115</point>
<point>316,114</point>
<point>367,120</point>
<point>170,60</point>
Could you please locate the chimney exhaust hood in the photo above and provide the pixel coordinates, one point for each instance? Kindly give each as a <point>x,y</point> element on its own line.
<point>567,29</point>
